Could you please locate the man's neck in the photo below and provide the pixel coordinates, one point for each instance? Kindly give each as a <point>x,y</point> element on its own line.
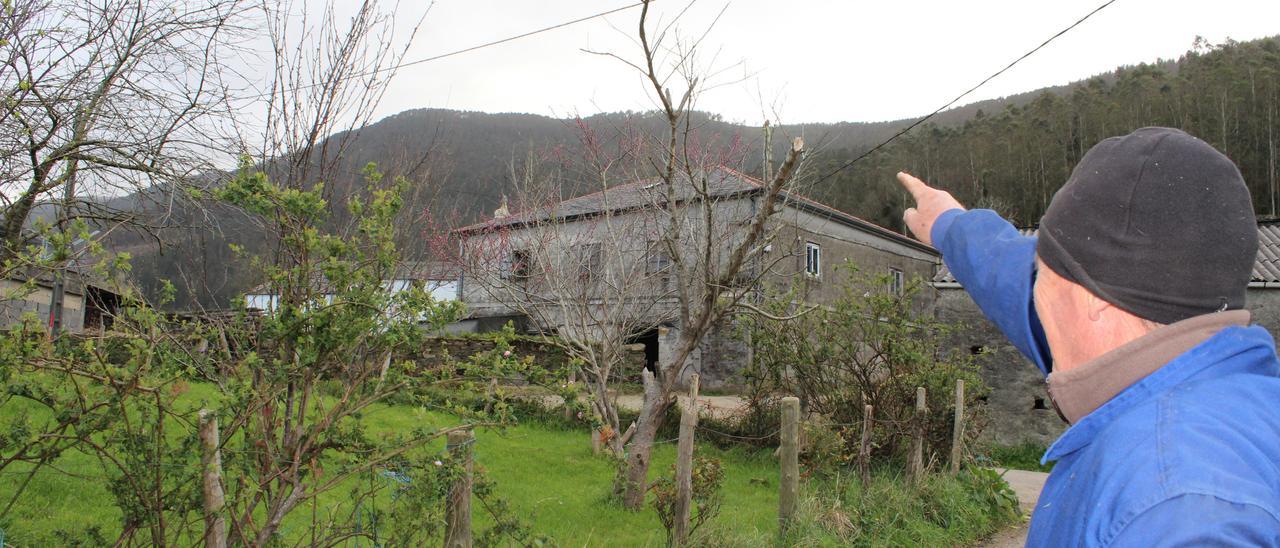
<point>1080,390</point>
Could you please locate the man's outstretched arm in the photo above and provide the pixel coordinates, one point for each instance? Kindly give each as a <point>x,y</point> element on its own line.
<point>987,255</point>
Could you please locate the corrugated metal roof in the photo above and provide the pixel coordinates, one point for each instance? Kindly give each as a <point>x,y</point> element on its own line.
<point>1266,269</point>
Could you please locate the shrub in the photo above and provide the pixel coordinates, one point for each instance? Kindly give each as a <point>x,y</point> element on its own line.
<point>943,510</point>
<point>869,346</point>
<point>707,478</point>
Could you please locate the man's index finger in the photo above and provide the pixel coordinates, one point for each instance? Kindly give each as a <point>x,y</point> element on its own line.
<point>913,185</point>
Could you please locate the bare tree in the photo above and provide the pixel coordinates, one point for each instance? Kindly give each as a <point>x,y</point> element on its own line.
<point>590,282</point>
<point>105,98</point>
<point>715,243</point>
<point>675,234</point>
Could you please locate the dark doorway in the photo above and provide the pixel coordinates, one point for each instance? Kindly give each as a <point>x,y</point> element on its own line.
<point>101,307</point>
<point>650,340</point>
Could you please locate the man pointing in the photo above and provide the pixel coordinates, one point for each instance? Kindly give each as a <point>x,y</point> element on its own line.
<point>1131,300</point>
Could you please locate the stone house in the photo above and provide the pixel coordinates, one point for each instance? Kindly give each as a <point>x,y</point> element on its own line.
<point>587,248</point>
<point>1018,403</point>
<point>86,304</point>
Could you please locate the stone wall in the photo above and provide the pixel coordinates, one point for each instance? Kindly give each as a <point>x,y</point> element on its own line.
<point>1264,303</point>
<point>435,350</point>
<point>1018,405</point>
<point>724,354</point>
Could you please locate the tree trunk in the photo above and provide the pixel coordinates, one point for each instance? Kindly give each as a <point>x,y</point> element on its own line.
<point>652,412</point>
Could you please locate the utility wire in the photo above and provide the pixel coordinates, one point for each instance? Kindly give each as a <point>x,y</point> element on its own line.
<point>470,49</point>
<point>850,163</point>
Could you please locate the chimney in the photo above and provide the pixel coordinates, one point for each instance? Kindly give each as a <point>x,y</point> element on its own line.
<point>502,211</point>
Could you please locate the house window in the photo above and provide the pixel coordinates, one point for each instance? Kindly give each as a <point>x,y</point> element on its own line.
<point>517,265</point>
<point>659,261</point>
<point>813,259</point>
<point>589,261</point>
<point>658,265</point>
<point>895,281</point>
<point>521,264</point>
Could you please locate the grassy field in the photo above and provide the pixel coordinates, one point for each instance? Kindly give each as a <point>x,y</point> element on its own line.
<point>1024,456</point>
<point>553,481</point>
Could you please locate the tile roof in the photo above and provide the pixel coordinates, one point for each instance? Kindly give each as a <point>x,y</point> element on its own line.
<point>1266,269</point>
<point>722,182</point>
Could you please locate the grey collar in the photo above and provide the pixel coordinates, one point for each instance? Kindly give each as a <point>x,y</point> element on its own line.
<point>1080,391</point>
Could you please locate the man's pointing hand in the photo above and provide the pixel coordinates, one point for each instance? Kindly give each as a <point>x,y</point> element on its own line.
<point>930,203</point>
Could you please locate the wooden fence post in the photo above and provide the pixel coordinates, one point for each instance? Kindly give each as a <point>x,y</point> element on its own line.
<point>684,464</point>
<point>790,483</point>
<point>458,512</point>
<point>864,448</point>
<point>917,443</point>
<point>957,432</point>
<point>215,528</point>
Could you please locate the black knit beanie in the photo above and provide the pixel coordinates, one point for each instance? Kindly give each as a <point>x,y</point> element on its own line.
<point>1156,222</point>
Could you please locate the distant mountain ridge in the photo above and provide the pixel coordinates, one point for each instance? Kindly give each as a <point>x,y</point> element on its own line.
<point>1008,153</point>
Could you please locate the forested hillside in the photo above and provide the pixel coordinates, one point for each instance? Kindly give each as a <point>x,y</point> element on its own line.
<point>1010,154</point>
<point>1015,158</point>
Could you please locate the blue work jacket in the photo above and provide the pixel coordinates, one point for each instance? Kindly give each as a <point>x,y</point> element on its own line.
<point>1188,456</point>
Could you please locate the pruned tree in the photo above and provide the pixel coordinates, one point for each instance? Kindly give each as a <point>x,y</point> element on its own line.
<point>675,234</point>
<point>716,243</point>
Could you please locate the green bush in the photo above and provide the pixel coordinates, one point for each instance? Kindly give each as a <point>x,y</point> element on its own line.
<point>869,346</point>
<point>707,477</point>
<point>942,510</point>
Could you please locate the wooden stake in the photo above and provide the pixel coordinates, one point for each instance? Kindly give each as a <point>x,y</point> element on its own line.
<point>864,448</point>
<point>790,482</point>
<point>458,512</point>
<point>215,528</point>
<point>917,443</point>
<point>684,464</point>
<point>957,432</point>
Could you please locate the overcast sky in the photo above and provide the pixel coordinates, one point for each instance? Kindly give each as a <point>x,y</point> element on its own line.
<point>806,60</point>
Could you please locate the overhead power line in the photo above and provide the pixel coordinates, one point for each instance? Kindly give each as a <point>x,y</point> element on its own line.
<point>517,37</point>
<point>850,163</point>
<point>474,48</point>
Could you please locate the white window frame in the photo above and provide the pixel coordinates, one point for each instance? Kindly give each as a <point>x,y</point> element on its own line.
<point>897,281</point>
<point>813,259</point>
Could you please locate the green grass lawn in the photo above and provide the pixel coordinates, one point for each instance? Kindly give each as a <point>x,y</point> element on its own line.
<point>554,483</point>
<point>548,475</point>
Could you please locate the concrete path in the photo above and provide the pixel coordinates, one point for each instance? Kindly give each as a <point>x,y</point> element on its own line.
<point>1027,485</point>
<point>712,406</point>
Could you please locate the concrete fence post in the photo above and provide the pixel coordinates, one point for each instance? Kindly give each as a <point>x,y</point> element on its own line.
<point>917,442</point>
